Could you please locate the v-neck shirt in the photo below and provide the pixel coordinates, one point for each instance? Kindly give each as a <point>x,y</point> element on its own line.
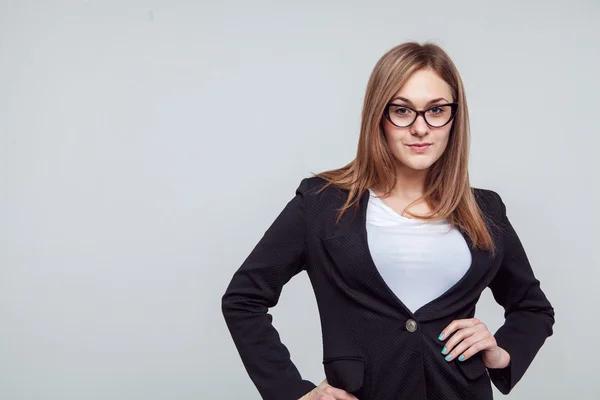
<point>419,260</point>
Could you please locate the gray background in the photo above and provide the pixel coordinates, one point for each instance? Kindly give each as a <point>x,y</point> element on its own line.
<point>145,147</point>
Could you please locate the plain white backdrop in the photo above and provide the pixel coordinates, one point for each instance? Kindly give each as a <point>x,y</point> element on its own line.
<point>145,147</point>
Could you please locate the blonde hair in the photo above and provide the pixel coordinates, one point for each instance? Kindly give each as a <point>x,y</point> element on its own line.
<point>447,188</point>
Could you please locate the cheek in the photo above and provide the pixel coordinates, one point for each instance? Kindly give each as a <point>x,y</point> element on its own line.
<point>444,137</point>
<point>393,134</point>
<point>394,142</point>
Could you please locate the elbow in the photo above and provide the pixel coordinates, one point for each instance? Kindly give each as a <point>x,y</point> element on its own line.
<point>539,319</point>
<point>232,305</point>
<point>546,319</point>
<point>225,304</point>
<point>548,315</point>
<point>237,305</point>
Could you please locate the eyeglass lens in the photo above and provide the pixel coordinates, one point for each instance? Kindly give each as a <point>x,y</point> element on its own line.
<point>435,116</point>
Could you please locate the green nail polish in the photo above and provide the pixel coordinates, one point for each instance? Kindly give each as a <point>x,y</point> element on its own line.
<point>444,350</point>
<point>441,336</point>
<point>461,358</point>
<point>448,357</point>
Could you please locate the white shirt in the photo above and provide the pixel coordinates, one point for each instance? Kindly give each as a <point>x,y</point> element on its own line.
<point>418,260</point>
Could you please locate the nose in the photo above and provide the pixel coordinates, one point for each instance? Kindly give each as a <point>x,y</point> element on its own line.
<point>420,127</point>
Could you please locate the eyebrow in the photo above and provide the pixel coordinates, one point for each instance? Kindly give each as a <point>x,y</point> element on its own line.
<point>428,103</point>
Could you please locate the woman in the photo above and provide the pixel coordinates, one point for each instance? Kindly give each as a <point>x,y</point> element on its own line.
<point>398,248</point>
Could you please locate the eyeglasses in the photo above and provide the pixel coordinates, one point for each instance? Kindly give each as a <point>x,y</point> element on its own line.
<point>435,116</point>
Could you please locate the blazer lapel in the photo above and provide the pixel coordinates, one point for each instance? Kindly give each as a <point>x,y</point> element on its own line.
<point>356,272</point>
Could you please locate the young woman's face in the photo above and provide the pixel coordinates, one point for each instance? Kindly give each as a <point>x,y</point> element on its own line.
<point>420,89</point>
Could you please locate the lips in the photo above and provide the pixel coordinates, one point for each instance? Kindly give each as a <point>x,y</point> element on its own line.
<point>419,148</point>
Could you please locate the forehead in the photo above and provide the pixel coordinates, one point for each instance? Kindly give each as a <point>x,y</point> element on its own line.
<point>424,85</point>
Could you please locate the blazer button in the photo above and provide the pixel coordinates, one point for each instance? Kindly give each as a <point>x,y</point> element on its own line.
<point>411,325</point>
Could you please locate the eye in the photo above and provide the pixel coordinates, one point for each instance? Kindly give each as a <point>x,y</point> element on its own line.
<point>435,110</point>
<point>400,111</point>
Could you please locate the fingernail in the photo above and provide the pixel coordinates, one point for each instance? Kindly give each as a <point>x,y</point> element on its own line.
<point>444,350</point>
<point>441,336</point>
<point>461,358</point>
<point>448,357</point>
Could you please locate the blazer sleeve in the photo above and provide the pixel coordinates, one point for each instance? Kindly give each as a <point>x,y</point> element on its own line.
<point>255,287</point>
<point>529,316</point>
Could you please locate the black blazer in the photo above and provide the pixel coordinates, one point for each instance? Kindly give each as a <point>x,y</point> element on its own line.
<point>373,346</point>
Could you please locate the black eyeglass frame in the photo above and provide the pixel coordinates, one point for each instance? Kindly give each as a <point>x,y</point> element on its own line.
<point>453,110</point>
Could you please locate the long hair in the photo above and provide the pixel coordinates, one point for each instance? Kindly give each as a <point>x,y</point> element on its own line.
<point>447,189</point>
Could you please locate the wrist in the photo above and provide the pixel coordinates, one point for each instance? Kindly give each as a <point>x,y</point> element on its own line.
<point>503,358</point>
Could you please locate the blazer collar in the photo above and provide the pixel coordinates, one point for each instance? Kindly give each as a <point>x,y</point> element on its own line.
<point>349,250</point>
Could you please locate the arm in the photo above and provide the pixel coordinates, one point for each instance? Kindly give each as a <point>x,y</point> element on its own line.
<point>255,287</point>
<point>528,313</point>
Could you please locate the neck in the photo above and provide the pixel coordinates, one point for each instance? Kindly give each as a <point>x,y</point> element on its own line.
<point>410,182</point>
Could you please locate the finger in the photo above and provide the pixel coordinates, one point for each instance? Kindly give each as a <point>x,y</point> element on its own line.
<point>487,343</point>
<point>464,345</point>
<point>456,339</point>
<point>456,325</point>
<point>464,338</point>
<point>338,394</point>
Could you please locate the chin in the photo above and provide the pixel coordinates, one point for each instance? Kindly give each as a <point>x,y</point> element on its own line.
<point>418,166</point>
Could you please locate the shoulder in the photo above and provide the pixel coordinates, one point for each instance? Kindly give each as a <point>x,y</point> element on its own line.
<point>315,181</point>
<point>318,195</point>
<point>484,194</point>
<point>489,201</point>
<point>314,184</point>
